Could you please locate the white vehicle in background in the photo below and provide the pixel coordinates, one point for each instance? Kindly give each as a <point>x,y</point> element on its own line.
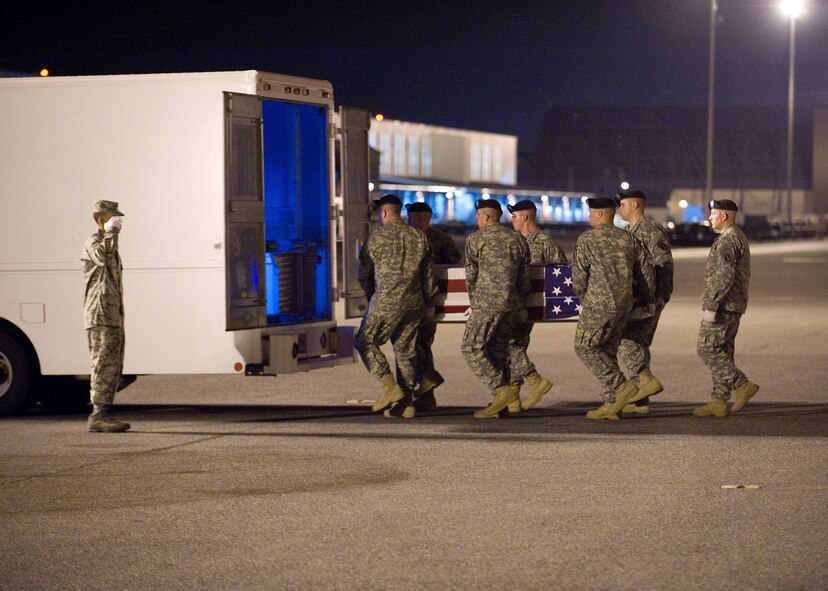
<point>237,236</point>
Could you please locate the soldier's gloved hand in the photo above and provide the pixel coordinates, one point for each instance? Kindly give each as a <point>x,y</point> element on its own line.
<point>429,312</point>
<point>709,315</point>
<point>113,223</point>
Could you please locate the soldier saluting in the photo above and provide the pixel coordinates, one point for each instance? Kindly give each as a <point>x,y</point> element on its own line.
<point>103,315</point>
<point>607,262</point>
<point>724,300</point>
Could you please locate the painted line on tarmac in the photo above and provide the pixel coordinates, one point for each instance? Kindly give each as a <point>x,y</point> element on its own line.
<point>804,260</point>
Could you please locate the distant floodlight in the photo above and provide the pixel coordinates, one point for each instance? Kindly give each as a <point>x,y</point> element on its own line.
<point>485,195</point>
<point>544,198</point>
<point>370,186</point>
<point>791,8</point>
<point>683,203</point>
<point>450,195</point>
<point>379,117</point>
<point>625,185</point>
<point>44,72</point>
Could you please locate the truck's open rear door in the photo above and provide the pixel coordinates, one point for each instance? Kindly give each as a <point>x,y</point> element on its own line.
<point>354,152</point>
<point>244,213</point>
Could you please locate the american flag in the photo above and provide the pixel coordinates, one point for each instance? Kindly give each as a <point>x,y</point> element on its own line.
<point>551,297</point>
<point>561,301</point>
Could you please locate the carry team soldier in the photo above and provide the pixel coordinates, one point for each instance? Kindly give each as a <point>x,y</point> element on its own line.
<point>103,316</point>
<point>397,275</point>
<point>634,350</point>
<point>607,262</point>
<point>443,252</point>
<point>724,300</point>
<point>542,250</point>
<point>497,281</point>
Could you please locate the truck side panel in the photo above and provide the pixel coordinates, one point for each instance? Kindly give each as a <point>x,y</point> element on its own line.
<point>155,144</point>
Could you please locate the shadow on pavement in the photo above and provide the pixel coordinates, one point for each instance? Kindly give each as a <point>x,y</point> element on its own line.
<point>755,420</point>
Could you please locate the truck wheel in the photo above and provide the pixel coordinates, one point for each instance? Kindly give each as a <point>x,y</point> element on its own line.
<point>16,375</point>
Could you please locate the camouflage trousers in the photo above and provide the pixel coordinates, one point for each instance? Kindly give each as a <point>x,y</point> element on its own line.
<point>596,345</point>
<point>401,328</point>
<point>634,349</point>
<point>485,346</point>
<point>425,359</point>
<point>716,348</point>
<point>519,363</point>
<point>106,347</point>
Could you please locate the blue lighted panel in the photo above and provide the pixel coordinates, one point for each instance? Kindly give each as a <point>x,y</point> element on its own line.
<point>296,203</point>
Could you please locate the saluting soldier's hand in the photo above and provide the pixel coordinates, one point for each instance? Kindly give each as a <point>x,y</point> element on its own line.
<point>113,223</point>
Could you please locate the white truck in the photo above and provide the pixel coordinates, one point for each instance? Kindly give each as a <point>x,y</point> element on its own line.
<point>239,228</point>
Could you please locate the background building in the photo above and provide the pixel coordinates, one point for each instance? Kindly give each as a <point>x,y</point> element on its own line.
<point>452,168</point>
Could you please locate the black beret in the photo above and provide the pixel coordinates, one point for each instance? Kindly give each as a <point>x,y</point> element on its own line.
<point>600,203</point>
<point>725,204</point>
<point>630,194</point>
<point>418,207</point>
<point>488,203</point>
<point>524,205</point>
<point>388,199</point>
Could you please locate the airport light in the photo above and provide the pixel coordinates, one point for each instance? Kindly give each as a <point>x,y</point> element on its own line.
<point>792,9</point>
<point>711,95</point>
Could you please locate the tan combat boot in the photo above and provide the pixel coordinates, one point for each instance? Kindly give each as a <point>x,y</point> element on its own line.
<point>744,393</point>
<point>623,394</point>
<point>515,407</point>
<point>100,421</point>
<point>602,412</point>
<point>401,409</point>
<point>539,386</point>
<point>430,381</point>
<point>714,408</point>
<point>648,385</point>
<point>504,395</point>
<point>425,401</point>
<point>637,409</point>
<point>391,393</point>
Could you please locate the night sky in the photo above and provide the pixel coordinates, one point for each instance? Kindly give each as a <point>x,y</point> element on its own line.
<point>492,66</point>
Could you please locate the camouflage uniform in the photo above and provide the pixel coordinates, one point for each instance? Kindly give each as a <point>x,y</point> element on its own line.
<point>103,314</point>
<point>443,252</point>
<point>397,275</point>
<point>607,261</point>
<point>638,334</point>
<point>497,280</point>
<point>543,250</point>
<point>726,279</point>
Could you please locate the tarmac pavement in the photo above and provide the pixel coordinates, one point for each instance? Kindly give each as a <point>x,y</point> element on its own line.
<point>290,482</point>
